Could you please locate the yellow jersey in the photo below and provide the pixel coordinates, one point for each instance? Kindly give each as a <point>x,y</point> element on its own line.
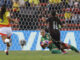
<point>5,21</point>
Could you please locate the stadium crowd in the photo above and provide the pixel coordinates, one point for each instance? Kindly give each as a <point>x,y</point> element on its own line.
<point>31,13</point>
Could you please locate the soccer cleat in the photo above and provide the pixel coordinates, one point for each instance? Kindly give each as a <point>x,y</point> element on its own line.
<point>6,51</point>
<point>78,51</point>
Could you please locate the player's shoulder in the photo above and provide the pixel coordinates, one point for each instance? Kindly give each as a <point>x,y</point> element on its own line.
<point>56,18</point>
<point>7,13</point>
<point>47,34</point>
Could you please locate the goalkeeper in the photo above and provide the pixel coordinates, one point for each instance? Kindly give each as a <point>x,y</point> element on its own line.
<point>46,42</point>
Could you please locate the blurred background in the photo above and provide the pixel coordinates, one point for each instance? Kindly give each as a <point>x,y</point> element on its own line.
<point>31,13</point>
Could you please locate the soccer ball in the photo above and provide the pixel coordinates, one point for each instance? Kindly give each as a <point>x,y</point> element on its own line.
<point>22,42</point>
<point>45,42</point>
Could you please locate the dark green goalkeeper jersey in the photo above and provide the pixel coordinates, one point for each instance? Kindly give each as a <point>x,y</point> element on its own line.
<point>51,46</point>
<point>47,37</point>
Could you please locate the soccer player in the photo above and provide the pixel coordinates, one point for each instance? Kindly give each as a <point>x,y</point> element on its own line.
<point>5,27</point>
<point>54,24</point>
<point>47,42</point>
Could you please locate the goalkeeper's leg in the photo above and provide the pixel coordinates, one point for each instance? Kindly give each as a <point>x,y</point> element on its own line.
<point>74,49</point>
<point>66,46</point>
<point>56,51</point>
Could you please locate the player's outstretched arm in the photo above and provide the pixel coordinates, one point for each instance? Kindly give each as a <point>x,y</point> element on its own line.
<point>14,20</point>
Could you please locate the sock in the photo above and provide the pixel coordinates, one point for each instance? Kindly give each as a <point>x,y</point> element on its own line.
<point>74,49</point>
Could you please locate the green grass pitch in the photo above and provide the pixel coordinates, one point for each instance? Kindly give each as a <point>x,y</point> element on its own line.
<point>38,55</point>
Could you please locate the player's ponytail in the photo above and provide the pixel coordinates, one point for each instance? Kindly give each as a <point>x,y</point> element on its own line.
<point>3,10</point>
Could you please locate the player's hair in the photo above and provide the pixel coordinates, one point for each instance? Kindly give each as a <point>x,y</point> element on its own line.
<point>53,13</point>
<point>42,30</point>
<point>3,10</point>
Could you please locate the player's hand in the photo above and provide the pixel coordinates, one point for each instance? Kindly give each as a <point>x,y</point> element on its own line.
<point>43,19</point>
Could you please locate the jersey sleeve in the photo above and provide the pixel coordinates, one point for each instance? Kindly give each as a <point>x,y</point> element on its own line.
<point>7,14</point>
